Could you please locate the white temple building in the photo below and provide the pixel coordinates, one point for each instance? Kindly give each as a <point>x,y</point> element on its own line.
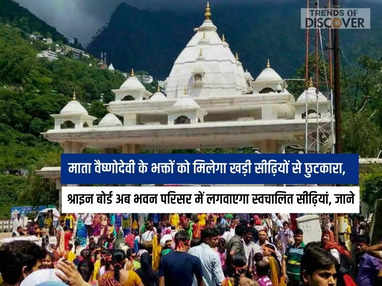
<point>111,67</point>
<point>208,100</point>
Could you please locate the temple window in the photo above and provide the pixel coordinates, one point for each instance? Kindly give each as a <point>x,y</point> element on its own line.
<point>267,90</point>
<point>182,120</point>
<point>128,98</point>
<point>198,79</point>
<point>310,112</point>
<point>67,124</point>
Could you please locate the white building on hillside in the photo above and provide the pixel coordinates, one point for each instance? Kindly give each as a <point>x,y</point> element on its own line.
<point>208,100</point>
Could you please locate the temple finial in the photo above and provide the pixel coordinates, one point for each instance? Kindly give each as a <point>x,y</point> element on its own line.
<point>158,88</point>
<point>311,82</point>
<point>268,63</point>
<point>132,72</point>
<point>237,56</point>
<point>207,14</point>
<point>223,38</point>
<point>74,94</point>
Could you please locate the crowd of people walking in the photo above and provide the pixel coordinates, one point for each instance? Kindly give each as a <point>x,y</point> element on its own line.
<point>191,249</point>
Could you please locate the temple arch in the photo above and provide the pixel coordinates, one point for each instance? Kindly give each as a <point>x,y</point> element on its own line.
<point>68,124</point>
<point>267,90</point>
<point>182,120</point>
<point>127,98</point>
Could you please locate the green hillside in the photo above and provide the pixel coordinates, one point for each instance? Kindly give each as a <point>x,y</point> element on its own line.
<point>30,90</point>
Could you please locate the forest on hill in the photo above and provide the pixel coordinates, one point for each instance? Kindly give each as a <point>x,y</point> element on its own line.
<point>31,89</point>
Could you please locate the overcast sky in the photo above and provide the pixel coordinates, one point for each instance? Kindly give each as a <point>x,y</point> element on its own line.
<point>82,18</point>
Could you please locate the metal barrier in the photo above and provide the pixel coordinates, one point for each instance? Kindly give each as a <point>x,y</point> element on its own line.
<point>5,226</point>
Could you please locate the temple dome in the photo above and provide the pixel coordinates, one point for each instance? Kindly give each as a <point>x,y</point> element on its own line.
<point>206,66</point>
<point>185,103</point>
<point>310,96</point>
<point>269,81</point>
<point>158,96</point>
<point>73,107</point>
<point>110,120</point>
<point>268,75</point>
<point>131,88</point>
<point>132,83</point>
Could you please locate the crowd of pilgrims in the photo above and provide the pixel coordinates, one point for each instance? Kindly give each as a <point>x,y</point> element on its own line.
<point>190,249</point>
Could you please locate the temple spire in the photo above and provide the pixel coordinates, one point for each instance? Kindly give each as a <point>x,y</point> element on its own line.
<point>74,94</point>
<point>132,72</point>
<point>207,14</point>
<point>268,63</point>
<point>223,38</point>
<point>237,56</point>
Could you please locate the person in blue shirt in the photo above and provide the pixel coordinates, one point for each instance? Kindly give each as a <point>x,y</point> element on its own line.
<point>179,266</point>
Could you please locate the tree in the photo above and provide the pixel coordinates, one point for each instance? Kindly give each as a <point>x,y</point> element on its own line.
<point>372,189</point>
<point>361,135</point>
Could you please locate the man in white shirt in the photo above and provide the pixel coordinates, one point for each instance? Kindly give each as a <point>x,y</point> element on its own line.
<point>285,236</point>
<point>276,218</point>
<point>250,247</point>
<point>227,235</point>
<point>16,223</point>
<point>211,265</point>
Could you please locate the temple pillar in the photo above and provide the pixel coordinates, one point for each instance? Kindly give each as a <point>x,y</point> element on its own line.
<point>269,146</point>
<point>268,112</point>
<point>57,124</point>
<point>125,148</point>
<point>73,147</point>
<point>131,148</point>
<point>129,119</point>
